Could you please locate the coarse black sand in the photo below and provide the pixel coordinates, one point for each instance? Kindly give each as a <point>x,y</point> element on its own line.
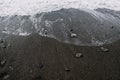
<point>41,58</point>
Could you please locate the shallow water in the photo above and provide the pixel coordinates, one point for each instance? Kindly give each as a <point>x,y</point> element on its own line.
<point>79,27</point>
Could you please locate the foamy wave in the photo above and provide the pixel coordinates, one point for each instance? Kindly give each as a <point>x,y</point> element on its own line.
<point>29,7</point>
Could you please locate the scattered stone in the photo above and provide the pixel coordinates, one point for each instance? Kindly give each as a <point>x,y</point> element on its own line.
<point>11,68</point>
<point>6,77</point>
<point>3,62</point>
<point>78,55</point>
<point>112,27</point>
<point>45,33</point>
<point>104,49</point>
<point>67,69</point>
<point>40,65</point>
<point>38,31</point>
<point>71,30</point>
<point>3,46</point>
<point>45,30</point>
<point>31,71</point>
<point>73,35</point>
<point>9,45</point>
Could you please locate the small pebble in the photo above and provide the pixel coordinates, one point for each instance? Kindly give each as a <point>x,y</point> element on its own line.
<point>67,69</point>
<point>73,35</point>
<point>112,27</point>
<point>9,45</point>
<point>40,65</point>
<point>78,55</point>
<point>45,33</point>
<point>104,49</point>
<point>31,71</point>
<point>3,62</point>
<point>71,30</point>
<point>11,68</point>
<point>6,77</point>
<point>1,41</point>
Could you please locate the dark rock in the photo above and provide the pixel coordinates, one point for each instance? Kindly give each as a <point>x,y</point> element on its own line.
<point>112,27</point>
<point>40,65</point>
<point>71,30</point>
<point>45,33</point>
<point>67,69</point>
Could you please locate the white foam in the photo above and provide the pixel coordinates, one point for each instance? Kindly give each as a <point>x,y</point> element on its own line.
<point>29,7</point>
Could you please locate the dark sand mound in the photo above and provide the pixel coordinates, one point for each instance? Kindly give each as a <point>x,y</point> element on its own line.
<point>41,58</point>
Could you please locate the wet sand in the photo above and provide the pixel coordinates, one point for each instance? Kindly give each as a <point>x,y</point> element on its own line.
<point>41,58</point>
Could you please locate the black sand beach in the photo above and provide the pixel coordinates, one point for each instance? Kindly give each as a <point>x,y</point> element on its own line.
<point>36,47</point>
<point>40,58</point>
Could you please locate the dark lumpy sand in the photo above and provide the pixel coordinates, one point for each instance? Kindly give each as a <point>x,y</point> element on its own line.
<point>41,58</point>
